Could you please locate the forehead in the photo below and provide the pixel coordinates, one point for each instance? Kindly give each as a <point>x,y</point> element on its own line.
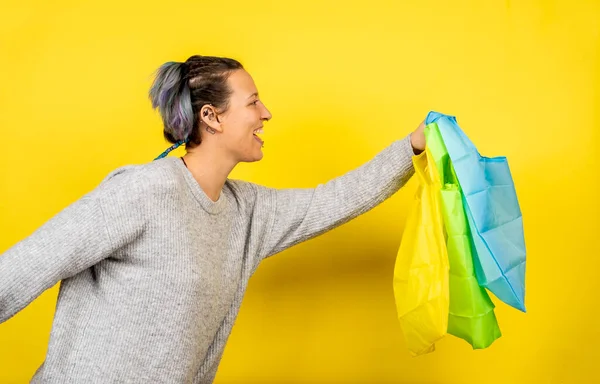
<point>241,83</point>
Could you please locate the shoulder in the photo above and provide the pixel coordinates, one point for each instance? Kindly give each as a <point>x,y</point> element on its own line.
<point>135,181</point>
<point>241,188</point>
<point>241,193</point>
<point>129,195</point>
<point>249,195</point>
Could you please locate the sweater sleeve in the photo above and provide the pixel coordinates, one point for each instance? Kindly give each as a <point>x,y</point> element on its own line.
<point>76,238</point>
<point>296,215</point>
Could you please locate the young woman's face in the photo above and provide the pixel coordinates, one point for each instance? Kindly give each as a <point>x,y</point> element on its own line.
<point>241,123</point>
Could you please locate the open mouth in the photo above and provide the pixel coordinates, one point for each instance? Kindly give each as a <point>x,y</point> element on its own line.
<point>256,134</point>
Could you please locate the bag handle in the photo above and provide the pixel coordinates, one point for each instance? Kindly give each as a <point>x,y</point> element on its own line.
<point>450,122</point>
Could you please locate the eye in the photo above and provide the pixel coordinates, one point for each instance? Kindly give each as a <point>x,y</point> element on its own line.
<point>255,101</point>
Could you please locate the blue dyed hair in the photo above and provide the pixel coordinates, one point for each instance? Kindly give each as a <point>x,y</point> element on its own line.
<point>180,90</point>
<point>170,94</point>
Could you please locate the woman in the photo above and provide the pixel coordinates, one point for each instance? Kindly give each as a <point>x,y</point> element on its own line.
<point>154,261</point>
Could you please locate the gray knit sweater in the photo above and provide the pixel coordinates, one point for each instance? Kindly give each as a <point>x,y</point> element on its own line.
<point>153,272</point>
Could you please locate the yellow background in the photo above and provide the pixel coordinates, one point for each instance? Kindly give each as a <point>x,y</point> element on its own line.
<point>343,79</point>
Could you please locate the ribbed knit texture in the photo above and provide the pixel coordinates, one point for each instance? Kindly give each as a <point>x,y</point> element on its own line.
<point>153,272</point>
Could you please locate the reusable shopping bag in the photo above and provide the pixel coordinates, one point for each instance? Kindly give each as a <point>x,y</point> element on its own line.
<point>471,314</point>
<point>421,270</point>
<point>493,213</point>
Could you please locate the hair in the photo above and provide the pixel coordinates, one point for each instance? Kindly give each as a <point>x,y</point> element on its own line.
<point>180,90</point>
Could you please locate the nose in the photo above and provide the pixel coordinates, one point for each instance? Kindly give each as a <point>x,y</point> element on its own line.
<point>266,115</point>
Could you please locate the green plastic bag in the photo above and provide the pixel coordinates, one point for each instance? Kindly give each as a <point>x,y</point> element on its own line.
<point>471,315</point>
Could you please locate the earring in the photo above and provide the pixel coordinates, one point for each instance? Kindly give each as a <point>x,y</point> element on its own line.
<point>210,130</point>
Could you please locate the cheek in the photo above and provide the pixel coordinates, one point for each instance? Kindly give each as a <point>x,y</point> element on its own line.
<point>240,128</point>
<point>243,135</point>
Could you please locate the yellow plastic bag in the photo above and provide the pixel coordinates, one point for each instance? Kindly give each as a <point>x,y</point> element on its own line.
<point>421,272</point>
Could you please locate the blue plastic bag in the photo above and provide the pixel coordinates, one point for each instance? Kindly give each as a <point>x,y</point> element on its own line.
<point>493,213</point>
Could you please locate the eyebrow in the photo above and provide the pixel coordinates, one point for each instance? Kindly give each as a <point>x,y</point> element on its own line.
<point>254,94</point>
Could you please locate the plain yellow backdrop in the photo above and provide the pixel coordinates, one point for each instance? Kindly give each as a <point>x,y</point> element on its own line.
<point>343,79</point>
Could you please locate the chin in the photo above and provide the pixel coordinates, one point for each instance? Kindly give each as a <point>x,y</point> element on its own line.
<point>254,157</point>
<point>259,157</point>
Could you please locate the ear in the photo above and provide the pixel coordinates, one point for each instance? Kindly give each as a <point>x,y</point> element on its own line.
<point>209,116</point>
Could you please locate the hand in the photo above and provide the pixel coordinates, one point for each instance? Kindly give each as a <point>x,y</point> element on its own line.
<point>417,139</point>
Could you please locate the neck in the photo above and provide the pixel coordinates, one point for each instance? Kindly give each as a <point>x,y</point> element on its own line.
<point>210,169</point>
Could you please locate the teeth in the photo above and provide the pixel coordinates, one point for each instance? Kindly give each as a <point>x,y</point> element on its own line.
<point>258,131</point>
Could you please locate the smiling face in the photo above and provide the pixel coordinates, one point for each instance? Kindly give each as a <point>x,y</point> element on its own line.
<point>238,128</point>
